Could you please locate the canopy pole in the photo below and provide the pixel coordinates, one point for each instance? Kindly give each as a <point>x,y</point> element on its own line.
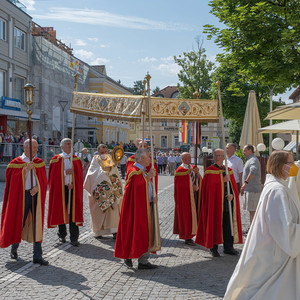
<point>226,164</point>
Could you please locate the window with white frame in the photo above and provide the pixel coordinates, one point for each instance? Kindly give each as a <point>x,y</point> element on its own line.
<point>2,83</point>
<point>164,123</point>
<point>19,39</point>
<point>19,89</point>
<point>176,141</point>
<point>2,30</point>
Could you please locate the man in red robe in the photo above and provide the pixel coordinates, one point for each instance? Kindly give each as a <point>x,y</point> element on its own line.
<point>19,195</point>
<point>131,161</point>
<point>65,178</point>
<point>134,236</point>
<point>214,222</point>
<point>187,181</point>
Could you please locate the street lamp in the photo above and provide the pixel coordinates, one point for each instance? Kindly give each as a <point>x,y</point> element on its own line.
<point>261,148</point>
<point>63,104</point>
<point>278,144</point>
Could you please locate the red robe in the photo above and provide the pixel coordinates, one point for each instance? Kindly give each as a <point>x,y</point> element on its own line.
<point>185,213</point>
<point>210,230</point>
<point>130,163</point>
<point>12,230</point>
<point>134,231</point>
<point>57,210</point>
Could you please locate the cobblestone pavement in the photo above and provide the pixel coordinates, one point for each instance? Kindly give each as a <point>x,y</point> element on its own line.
<point>91,271</point>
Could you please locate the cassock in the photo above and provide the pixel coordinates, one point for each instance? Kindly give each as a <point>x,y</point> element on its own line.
<point>12,230</point>
<point>104,188</point>
<point>135,229</point>
<point>210,230</point>
<point>57,210</point>
<point>185,213</point>
<point>130,163</point>
<point>269,266</point>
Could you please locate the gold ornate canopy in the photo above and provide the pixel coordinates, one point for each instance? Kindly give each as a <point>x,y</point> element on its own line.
<point>130,107</point>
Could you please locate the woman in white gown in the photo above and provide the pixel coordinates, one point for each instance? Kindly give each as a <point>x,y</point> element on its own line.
<point>269,266</point>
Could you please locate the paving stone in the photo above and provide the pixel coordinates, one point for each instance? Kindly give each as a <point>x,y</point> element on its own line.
<point>91,271</point>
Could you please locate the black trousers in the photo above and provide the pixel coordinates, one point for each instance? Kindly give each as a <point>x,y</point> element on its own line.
<point>73,228</point>
<point>37,246</point>
<point>227,237</point>
<point>123,170</point>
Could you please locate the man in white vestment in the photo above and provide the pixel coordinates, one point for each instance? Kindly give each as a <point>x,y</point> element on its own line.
<point>104,187</point>
<point>269,266</point>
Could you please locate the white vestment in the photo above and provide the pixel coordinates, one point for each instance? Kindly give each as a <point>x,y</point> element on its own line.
<point>269,266</point>
<point>294,182</point>
<point>103,183</point>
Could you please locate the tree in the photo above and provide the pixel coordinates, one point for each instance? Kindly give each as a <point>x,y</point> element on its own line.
<point>156,90</point>
<point>195,73</point>
<point>138,88</point>
<point>262,37</point>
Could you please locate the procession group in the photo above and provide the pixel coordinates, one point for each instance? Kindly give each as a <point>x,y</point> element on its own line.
<point>206,208</point>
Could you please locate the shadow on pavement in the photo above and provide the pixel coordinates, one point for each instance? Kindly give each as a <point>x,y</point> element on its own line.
<point>192,276</point>
<point>92,251</point>
<point>56,276</point>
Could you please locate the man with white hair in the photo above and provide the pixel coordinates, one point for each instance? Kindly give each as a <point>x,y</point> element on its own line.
<point>187,192</point>
<point>24,198</point>
<point>134,238</point>
<point>214,225</point>
<point>64,179</point>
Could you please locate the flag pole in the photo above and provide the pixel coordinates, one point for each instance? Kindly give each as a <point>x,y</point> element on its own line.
<point>218,83</point>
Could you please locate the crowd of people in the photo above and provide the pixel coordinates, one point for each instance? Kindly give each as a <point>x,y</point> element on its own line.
<point>207,210</point>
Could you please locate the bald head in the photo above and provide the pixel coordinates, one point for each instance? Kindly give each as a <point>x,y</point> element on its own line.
<point>34,149</point>
<point>219,156</point>
<point>186,158</point>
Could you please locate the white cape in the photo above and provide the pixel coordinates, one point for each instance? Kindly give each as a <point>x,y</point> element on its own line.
<point>269,266</point>
<point>103,222</point>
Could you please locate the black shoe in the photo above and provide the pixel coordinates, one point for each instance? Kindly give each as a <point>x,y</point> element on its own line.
<point>114,236</point>
<point>61,239</point>
<point>40,261</point>
<point>75,243</point>
<point>14,254</point>
<point>128,262</point>
<point>231,252</point>
<point>147,266</point>
<point>190,242</point>
<point>214,253</point>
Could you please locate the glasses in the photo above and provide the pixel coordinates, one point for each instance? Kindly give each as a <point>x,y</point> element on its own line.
<point>290,163</point>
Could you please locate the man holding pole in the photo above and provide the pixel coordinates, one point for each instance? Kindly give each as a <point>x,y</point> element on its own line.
<point>24,203</point>
<point>214,223</point>
<point>135,232</point>
<point>187,181</point>
<point>66,193</point>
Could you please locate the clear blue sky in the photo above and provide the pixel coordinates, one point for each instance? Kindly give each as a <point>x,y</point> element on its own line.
<point>129,37</point>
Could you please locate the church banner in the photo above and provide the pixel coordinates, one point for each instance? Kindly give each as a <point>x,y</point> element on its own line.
<point>130,107</point>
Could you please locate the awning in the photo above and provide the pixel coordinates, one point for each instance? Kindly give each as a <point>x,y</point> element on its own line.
<point>18,114</point>
<point>291,146</point>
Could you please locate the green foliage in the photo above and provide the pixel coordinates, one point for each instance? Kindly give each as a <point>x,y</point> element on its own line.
<point>239,153</point>
<point>138,88</point>
<point>234,131</point>
<point>195,73</point>
<point>156,90</point>
<point>261,38</point>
